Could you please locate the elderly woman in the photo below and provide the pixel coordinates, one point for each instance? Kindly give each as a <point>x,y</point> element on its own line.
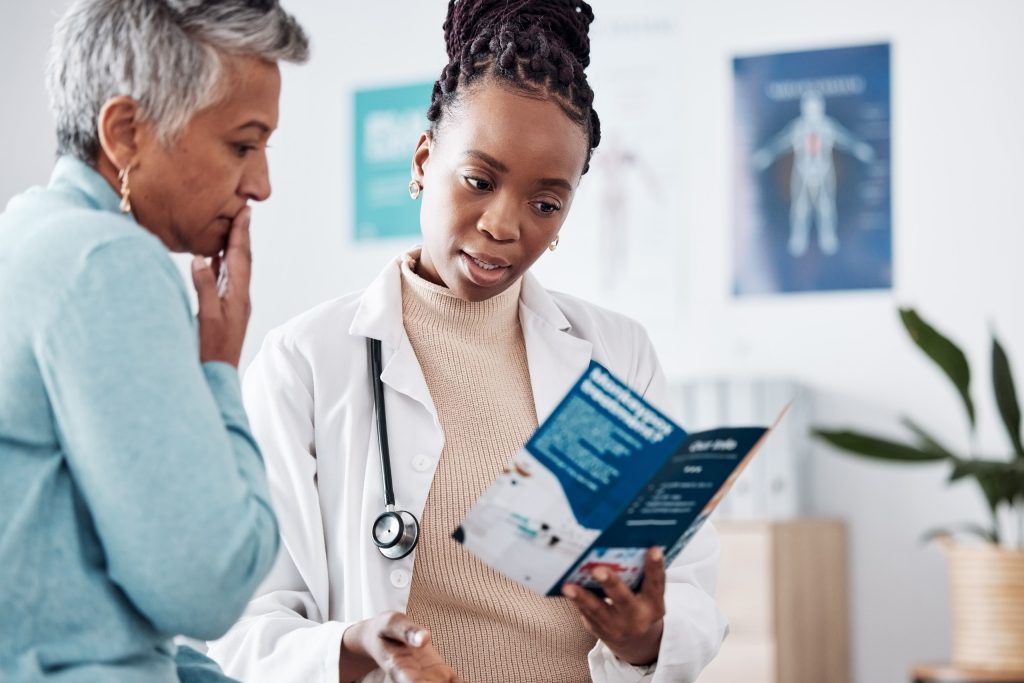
<point>133,500</point>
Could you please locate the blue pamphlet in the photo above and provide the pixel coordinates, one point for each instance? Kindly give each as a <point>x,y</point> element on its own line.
<point>603,479</point>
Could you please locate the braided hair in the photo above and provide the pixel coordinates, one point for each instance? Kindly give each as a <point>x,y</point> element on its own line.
<point>538,47</point>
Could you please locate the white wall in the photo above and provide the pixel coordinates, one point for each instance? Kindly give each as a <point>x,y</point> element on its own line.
<point>27,144</point>
<point>958,234</point>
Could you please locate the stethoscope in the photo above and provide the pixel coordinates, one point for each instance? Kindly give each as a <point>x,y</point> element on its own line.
<point>394,532</point>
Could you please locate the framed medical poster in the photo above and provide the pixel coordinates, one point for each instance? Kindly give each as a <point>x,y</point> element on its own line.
<point>388,122</point>
<point>812,171</point>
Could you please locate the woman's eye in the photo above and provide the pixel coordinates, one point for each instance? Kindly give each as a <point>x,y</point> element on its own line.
<point>547,207</point>
<point>478,183</point>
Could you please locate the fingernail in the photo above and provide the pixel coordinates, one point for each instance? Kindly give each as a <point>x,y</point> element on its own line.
<point>601,575</point>
<point>198,263</point>
<point>416,638</point>
<point>656,554</point>
<point>569,592</point>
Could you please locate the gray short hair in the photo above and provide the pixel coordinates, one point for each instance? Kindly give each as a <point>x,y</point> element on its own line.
<point>166,54</point>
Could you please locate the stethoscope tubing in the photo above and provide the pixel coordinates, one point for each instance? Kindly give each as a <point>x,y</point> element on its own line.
<point>400,529</point>
<point>376,368</point>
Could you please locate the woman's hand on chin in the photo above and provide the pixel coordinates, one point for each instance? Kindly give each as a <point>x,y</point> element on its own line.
<point>394,643</point>
<point>223,292</point>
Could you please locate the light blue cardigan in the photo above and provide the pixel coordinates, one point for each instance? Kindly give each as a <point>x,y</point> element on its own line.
<point>133,499</point>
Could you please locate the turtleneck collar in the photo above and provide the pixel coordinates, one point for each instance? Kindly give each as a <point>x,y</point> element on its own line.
<point>426,305</point>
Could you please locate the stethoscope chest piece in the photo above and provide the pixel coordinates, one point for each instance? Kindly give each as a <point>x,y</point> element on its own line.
<point>395,533</point>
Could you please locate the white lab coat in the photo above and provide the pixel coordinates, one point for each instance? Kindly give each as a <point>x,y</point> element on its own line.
<point>309,399</point>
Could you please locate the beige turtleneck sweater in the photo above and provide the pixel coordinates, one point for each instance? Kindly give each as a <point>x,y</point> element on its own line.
<point>487,627</point>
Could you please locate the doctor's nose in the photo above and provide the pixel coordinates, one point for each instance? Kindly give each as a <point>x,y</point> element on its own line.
<point>500,220</point>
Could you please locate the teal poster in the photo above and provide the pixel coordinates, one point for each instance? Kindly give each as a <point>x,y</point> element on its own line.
<point>388,122</point>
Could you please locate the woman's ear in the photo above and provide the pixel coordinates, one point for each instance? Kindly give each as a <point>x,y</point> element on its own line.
<point>119,127</point>
<point>421,155</point>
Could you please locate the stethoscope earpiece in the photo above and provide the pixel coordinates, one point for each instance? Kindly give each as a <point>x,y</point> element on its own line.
<point>394,532</point>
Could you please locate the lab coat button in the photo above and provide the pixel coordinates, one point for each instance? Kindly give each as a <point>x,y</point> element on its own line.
<point>399,578</point>
<point>422,463</point>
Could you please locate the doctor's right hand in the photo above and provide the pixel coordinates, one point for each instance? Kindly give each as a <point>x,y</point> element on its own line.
<point>398,646</point>
<point>223,291</point>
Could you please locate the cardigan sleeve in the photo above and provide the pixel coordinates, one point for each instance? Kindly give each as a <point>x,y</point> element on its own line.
<point>157,444</point>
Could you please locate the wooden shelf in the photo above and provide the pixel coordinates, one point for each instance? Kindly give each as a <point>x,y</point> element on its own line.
<point>782,585</point>
<point>944,673</point>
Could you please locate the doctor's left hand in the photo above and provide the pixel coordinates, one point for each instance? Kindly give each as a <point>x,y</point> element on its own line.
<point>629,623</point>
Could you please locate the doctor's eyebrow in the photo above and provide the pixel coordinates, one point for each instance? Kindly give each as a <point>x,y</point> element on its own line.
<point>502,168</point>
<point>488,159</point>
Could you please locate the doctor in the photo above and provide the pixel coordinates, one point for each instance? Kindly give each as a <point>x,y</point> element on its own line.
<point>473,352</point>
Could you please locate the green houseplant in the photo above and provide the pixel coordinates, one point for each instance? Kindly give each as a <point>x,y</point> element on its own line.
<point>987,580</point>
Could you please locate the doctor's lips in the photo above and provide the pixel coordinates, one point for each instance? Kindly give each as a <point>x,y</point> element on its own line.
<point>486,261</point>
<point>485,269</point>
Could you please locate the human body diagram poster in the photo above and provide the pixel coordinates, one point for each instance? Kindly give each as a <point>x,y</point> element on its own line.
<point>812,171</point>
<point>623,237</point>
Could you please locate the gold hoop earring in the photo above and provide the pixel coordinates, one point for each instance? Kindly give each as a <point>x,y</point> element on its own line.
<point>126,202</point>
<point>414,189</point>
<point>554,245</point>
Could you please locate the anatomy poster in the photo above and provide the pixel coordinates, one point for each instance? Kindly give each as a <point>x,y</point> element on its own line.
<point>621,243</point>
<point>812,171</point>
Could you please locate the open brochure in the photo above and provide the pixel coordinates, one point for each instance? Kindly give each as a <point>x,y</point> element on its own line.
<point>604,478</point>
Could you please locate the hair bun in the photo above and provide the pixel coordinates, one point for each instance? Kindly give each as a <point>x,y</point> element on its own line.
<point>564,21</point>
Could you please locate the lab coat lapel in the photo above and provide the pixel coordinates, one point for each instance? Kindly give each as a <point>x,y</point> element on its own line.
<point>556,357</point>
<point>402,372</point>
<point>380,317</point>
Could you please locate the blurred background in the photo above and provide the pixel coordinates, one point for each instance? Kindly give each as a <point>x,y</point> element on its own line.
<point>673,226</point>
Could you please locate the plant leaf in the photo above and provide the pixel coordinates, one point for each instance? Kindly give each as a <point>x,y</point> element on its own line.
<point>969,528</point>
<point>928,442</point>
<point>945,353</point>
<point>1007,469</point>
<point>1006,395</point>
<point>874,447</point>
<point>959,470</point>
<point>1000,482</point>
